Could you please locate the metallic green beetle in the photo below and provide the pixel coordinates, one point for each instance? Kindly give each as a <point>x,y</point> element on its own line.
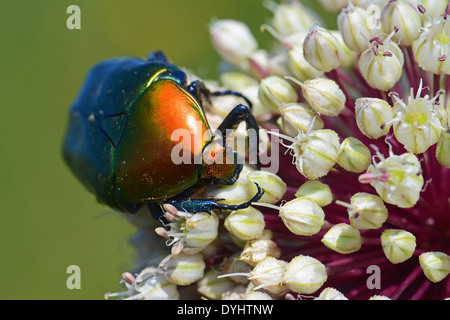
<point>119,138</point>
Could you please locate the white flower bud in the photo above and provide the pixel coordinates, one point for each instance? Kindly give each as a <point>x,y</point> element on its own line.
<point>256,295</point>
<point>382,64</point>
<point>322,50</point>
<point>234,194</point>
<point>348,56</point>
<point>367,3</point>
<point>431,50</point>
<point>213,287</point>
<point>274,188</point>
<point>417,124</point>
<point>302,216</point>
<point>182,269</point>
<point>246,85</point>
<point>201,230</point>
<point>435,265</point>
<point>443,149</point>
<point>297,117</point>
<point>316,152</point>
<point>246,224</point>
<point>353,25</point>
<point>373,117</point>
<point>233,40</point>
<point>397,179</point>
<point>366,211</point>
<point>405,17</point>
<point>378,297</point>
<point>335,5</point>
<point>268,275</point>
<point>190,233</point>
<point>434,8</point>
<point>323,95</point>
<point>354,156</point>
<point>398,245</point>
<point>236,269</point>
<point>316,191</point>
<point>331,294</point>
<point>274,91</point>
<point>291,18</point>
<point>237,293</point>
<point>343,238</point>
<point>299,67</point>
<point>305,274</point>
<point>257,250</point>
<point>149,285</point>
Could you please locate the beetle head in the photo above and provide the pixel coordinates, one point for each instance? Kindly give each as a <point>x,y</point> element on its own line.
<point>220,165</point>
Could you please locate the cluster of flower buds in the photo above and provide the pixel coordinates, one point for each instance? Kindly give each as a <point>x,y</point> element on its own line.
<point>364,112</point>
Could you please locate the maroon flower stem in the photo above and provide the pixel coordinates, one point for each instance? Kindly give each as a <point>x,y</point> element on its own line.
<point>410,69</point>
<point>334,75</point>
<point>407,282</point>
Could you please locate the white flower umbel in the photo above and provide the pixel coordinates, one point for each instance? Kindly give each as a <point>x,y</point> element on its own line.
<point>343,238</point>
<point>406,17</point>
<point>366,211</point>
<point>435,265</point>
<point>373,117</point>
<point>417,124</point>
<point>353,23</point>
<point>398,245</point>
<point>305,274</point>
<point>316,191</point>
<point>397,179</point>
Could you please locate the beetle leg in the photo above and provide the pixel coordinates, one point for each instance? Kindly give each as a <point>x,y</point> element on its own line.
<point>233,93</point>
<point>198,89</point>
<point>206,205</point>
<point>234,118</point>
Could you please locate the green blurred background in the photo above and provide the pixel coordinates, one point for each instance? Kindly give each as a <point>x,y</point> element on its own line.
<point>48,221</point>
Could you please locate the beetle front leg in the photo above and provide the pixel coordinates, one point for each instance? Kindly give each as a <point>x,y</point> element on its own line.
<point>239,114</point>
<point>198,89</point>
<point>206,205</point>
